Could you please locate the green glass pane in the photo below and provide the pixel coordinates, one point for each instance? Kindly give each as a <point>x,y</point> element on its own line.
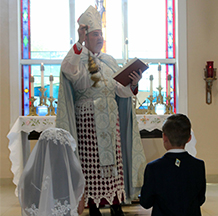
<point>25,15</point>
<point>25,41</point>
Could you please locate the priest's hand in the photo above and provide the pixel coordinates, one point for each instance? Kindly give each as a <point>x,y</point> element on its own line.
<point>135,77</point>
<point>82,33</point>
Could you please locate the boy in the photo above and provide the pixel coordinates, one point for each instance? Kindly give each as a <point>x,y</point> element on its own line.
<point>175,184</point>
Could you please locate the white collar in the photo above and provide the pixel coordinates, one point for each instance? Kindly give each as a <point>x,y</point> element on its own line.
<point>176,151</point>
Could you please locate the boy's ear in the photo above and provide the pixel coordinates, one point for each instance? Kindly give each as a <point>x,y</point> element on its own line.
<point>165,138</point>
<point>189,138</point>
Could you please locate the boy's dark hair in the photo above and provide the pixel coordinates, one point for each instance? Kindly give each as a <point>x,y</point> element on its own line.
<point>177,128</point>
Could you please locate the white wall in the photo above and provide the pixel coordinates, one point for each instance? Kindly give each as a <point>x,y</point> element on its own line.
<point>202,47</point>
<point>4,89</point>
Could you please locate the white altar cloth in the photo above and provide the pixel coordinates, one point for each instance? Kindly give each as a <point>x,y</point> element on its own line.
<point>151,122</point>
<point>19,145</point>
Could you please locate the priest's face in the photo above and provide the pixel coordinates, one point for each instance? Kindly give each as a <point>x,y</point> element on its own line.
<point>94,41</point>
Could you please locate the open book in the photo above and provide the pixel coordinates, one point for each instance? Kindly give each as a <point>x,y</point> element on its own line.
<point>122,75</point>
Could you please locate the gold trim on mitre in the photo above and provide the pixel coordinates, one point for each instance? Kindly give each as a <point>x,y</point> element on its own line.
<point>92,18</point>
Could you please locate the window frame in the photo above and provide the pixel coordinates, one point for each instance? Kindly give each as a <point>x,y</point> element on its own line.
<point>16,62</point>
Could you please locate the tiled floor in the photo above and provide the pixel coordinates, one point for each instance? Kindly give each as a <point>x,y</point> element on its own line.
<point>9,204</point>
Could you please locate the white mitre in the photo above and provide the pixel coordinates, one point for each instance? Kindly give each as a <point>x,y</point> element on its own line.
<point>92,18</point>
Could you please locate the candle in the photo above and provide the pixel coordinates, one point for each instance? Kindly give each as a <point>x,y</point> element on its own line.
<point>42,75</point>
<point>51,85</point>
<point>127,51</point>
<point>169,79</point>
<point>209,69</point>
<point>32,85</point>
<point>159,70</point>
<point>151,84</point>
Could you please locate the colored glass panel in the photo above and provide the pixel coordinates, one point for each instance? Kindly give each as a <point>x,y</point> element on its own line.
<point>26,89</point>
<point>50,29</point>
<point>36,72</point>
<point>170,70</point>
<point>144,84</point>
<point>25,52</point>
<point>170,29</point>
<point>101,7</point>
<point>146,29</point>
<point>170,48</point>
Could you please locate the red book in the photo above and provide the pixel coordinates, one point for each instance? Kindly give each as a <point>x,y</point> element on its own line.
<point>122,75</point>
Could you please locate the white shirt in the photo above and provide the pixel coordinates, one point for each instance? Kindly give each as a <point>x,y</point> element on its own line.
<point>176,151</point>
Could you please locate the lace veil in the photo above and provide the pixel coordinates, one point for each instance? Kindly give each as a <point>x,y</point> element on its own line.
<point>52,182</point>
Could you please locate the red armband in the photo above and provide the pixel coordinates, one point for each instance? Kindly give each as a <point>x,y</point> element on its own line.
<point>135,91</point>
<point>76,50</point>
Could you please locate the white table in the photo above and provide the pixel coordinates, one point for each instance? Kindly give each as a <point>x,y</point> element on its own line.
<point>19,144</point>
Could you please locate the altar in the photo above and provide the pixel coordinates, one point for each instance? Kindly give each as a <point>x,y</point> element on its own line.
<point>19,144</point>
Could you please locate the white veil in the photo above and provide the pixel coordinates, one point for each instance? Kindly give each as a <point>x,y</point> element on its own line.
<point>52,182</point>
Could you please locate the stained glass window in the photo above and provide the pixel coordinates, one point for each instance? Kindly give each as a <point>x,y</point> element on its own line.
<point>25,52</point>
<point>47,35</point>
<point>154,27</point>
<point>44,36</point>
<point>170,47</point>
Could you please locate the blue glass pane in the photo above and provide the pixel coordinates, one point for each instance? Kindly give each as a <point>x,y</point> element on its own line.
<point>144,84</point>
<point>49,70</point>
<point>36,72</point>
<point>50,32</point>
<point>25,30</point>
<point>170,29</point>
<point>147,28</point>
<point>172,87</point>
<point>48,55</point>
<point>25,91</point>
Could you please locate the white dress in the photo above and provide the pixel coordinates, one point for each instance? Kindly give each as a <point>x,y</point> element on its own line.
<point>52,182</point>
